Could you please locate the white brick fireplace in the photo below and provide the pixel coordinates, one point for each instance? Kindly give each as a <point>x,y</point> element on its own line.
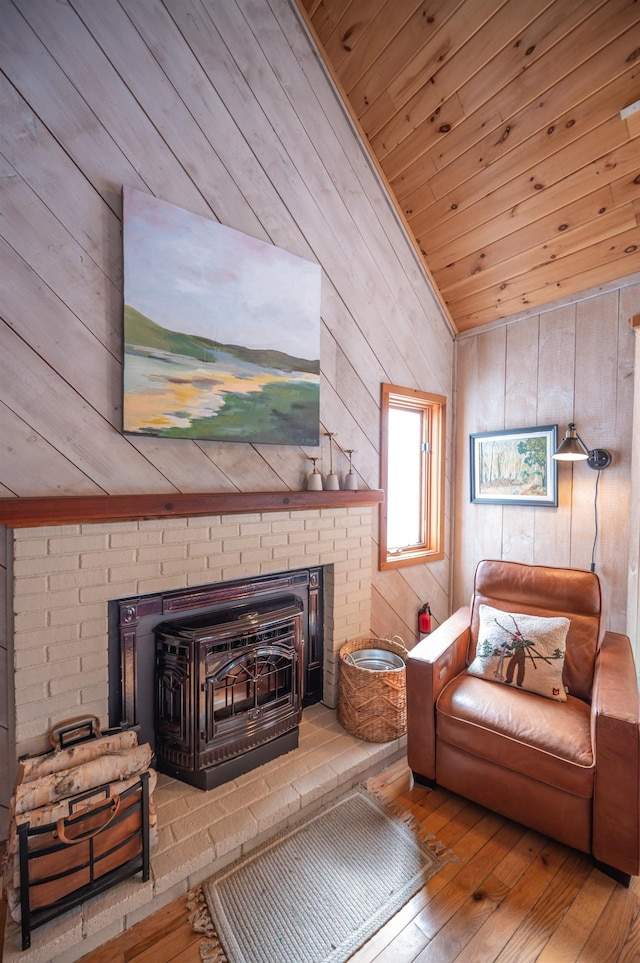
<point>64,576</point>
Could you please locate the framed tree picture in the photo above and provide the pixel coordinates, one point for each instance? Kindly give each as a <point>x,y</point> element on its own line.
<point>515,467</point>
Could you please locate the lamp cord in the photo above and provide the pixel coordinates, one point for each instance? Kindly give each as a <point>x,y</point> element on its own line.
<point>595,516</point>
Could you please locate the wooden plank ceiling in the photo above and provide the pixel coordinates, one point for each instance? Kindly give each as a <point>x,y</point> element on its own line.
<point>499,126</point>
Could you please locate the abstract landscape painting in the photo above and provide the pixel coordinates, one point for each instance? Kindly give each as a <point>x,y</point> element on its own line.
<point>221,331</point>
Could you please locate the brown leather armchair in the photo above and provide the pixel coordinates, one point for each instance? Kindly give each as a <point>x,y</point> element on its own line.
<point>567,769</point>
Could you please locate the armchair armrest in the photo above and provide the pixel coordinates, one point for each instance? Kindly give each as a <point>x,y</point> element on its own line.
<point>431,664</point>
<point>616,735</point>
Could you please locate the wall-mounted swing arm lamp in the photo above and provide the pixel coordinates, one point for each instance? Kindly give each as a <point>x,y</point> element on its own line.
<point>573,448</point>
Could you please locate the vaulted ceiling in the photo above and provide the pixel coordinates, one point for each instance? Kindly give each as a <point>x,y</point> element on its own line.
<point>500,127</point>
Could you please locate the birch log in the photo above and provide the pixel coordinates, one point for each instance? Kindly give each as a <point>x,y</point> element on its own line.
<point>107,768</point>
<point>63,759</point>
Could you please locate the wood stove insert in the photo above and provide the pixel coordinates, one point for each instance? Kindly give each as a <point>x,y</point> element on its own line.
<point>132,663</point>
<point>228,690</point>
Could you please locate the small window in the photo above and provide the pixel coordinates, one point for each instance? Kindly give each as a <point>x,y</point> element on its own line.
<point>412,476</point>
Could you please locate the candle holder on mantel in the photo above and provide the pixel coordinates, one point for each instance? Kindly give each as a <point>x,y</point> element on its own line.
<point>314,478</point>
<point>331,482</point>
<point>350,479</point>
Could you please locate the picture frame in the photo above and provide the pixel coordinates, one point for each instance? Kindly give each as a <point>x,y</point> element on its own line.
<point>221,331</point>
<point>515,466</point>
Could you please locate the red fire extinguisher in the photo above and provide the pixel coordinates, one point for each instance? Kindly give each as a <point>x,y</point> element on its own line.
<point>424,619</point>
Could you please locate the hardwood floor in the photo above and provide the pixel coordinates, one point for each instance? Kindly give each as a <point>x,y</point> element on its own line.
<point>511,896</point>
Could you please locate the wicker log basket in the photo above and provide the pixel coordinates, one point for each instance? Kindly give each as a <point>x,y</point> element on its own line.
<point>372,703</point>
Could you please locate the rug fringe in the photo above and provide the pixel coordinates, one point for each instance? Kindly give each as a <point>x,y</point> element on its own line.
<point>200,919</point>
<point>428,839</point>
<point>212,952</point>
<point>199,916</point>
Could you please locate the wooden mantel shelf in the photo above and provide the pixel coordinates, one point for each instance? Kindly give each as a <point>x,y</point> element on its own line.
<point>35,512</point>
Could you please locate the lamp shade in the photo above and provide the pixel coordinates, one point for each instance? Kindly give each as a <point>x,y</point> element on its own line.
<point>571,448</point>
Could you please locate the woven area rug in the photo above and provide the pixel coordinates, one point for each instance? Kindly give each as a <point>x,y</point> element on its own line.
<point>320,890</point>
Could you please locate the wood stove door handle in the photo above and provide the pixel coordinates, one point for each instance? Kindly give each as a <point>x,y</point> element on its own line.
<point>62,824</point>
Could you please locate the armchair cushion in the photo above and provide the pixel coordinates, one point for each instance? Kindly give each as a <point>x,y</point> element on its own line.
<point>539,738</point>
<point>525,651</point>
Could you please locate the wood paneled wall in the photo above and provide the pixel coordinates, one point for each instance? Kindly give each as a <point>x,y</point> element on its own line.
<point>572,363</point>
<point>226,110</point>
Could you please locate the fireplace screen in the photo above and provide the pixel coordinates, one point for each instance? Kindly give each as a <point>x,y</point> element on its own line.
<point>228,690</point>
